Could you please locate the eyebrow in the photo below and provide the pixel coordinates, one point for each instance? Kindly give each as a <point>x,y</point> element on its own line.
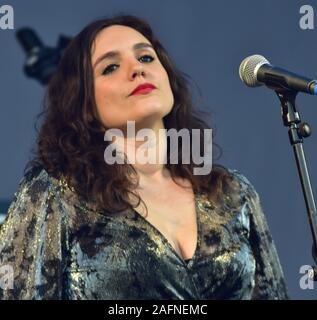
<point>114,54</point>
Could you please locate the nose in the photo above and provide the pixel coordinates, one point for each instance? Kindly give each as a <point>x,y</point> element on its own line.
<point>137,70</point>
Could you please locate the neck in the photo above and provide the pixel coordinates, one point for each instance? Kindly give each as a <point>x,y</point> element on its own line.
<point>146,151</point>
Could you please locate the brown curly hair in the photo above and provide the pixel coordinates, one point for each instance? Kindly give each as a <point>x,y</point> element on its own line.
<point>71,144</point>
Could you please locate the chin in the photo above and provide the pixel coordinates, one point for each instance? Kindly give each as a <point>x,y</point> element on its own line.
<point>149,109</point>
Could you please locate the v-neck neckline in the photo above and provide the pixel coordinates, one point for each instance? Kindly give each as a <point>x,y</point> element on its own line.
<point>187,262</point>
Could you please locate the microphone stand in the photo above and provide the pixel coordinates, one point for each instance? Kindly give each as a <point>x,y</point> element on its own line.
<point>298,130</point>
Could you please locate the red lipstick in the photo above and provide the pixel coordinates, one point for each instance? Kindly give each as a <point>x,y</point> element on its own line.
<point>143,89</point>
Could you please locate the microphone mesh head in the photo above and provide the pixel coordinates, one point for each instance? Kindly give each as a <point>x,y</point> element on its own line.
<point>248,69</point>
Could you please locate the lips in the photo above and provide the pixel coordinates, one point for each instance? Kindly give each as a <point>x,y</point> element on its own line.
<point>143,89</point>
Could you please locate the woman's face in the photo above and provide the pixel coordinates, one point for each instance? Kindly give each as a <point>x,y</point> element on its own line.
<point>116,76</point>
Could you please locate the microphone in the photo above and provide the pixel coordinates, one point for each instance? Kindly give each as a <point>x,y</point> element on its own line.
<point>255,71</point>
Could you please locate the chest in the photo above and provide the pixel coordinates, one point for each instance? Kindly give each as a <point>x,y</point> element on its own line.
<point>173,214</point>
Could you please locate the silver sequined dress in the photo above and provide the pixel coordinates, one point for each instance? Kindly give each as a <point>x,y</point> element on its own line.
<point>60,247</point>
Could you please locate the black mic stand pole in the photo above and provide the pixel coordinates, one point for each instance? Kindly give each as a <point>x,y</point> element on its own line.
<point>296,132</point>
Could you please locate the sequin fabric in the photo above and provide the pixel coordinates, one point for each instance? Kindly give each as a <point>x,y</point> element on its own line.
<point>61,247</point>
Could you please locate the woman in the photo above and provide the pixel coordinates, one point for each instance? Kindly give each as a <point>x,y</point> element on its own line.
<point>83,228</point>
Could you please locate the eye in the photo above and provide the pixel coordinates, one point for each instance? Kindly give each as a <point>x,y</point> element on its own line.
<point>112,67</point>
<point>147,56</point>
<point>109,69</point>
